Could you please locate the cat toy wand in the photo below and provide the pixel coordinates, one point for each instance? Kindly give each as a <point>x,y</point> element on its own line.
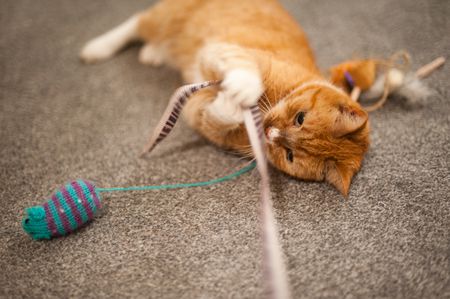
<point>274,268</point>
<point>76,203</point>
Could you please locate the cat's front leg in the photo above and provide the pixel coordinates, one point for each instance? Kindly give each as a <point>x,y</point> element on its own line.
<point>241,88</point>
<point>242,83</point>
<point>198,116</point>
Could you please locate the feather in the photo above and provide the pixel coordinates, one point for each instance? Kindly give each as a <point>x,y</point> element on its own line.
<point>411,88</point>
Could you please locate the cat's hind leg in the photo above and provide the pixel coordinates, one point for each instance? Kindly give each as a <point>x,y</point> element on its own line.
<point>151,54</point>
<point>109,43</point>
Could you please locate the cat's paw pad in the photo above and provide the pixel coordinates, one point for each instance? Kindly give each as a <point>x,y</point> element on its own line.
<point>242,87</point>
<point>96,50</point>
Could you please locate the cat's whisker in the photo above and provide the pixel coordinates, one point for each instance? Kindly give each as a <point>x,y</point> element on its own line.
<point>265,104</point>
<point>244,146</point>
<point>261,102</point>
<point>268,103</point>
<point>243,150</point>
<point>276,92</point>
<point>264,109</point>
<point>248,161</point>
<point>252,160</point>
<point>243,157</point>
<point>246,152</point>
<point>280,94</point>
<point>262,106</point>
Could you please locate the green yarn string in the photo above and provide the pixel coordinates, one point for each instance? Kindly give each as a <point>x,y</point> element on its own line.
<point>177,186</point>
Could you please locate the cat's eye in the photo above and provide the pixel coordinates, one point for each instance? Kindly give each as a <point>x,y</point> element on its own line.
<point>289,155</point>
<point>300,118</point>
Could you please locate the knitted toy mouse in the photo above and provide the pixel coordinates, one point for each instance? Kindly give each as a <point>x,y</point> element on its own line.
<point>67,209</point>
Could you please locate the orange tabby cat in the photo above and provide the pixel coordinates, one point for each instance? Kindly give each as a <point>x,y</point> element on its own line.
<point>314,130</point>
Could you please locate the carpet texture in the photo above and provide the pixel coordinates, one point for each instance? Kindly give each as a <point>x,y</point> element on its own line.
<point>61,120</point>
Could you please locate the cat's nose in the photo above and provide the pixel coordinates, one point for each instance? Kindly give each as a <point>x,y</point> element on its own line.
<point>272,134</point>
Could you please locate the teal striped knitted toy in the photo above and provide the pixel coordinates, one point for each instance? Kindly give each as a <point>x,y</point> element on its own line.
<point>69,208</point>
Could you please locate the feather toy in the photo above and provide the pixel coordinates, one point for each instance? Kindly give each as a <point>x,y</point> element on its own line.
<point>274,268</point>
<point>394,80</point>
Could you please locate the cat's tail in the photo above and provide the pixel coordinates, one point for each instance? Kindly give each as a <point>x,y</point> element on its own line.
<point>106,45</point>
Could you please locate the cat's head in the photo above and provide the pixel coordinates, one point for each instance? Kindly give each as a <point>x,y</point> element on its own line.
<point>318,133</point>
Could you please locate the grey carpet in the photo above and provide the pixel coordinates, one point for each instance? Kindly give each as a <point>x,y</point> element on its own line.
<point>61,120</point>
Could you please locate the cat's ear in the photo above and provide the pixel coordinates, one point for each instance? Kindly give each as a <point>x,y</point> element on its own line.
<point>350,117</point>
<point>339,176</point>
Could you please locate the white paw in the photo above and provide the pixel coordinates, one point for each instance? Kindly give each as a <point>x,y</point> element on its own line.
<point>151,55</point>
<point>96,50</point>
<point>241,88</point>
<point>225,111</point>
